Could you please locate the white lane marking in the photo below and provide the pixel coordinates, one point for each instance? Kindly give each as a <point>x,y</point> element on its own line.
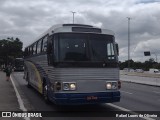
<point>18,73</point>
<point>156,92</point>
<point>118,107</point>
<point>20,101</point>
<point>126,92</point>
<point>127,110</point>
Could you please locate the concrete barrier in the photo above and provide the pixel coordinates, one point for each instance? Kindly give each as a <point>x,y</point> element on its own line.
<point>144,74</point>
<point>154,81</point>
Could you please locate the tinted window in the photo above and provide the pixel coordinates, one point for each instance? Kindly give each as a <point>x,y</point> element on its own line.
<point>30,50</point>
<point>110,51</point>
<point>44,44</point>
<point>72,47</point>
<point>34,49</point>
<point>26,52</point>
<point>39,46</point>
<point>102,47</point>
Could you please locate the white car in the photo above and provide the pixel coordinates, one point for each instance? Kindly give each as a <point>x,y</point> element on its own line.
<point>139,70</point>
<point>152,70</point>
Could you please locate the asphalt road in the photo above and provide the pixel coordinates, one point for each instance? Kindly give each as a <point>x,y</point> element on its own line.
<point>135,97</point>
<point>138,97</point>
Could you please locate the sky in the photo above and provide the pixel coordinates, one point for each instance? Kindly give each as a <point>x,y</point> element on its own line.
<point>27,19</point>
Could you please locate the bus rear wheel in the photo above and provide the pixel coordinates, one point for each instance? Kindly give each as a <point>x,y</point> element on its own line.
<point>28,83</point>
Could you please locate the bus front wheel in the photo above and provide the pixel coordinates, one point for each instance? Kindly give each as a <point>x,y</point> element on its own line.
<point>45,94</point>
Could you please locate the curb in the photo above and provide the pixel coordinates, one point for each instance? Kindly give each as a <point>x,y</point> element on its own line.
<point>140,83</point>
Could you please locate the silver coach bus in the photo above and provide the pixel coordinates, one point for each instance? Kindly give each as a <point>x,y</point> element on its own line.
<point>74,64</point>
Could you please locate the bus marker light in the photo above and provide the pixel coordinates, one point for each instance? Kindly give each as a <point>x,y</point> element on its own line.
<point>65,86</point>
<point>119,84</point>
<point>114,85</point>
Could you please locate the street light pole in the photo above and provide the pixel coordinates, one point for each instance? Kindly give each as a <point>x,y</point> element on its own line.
<point>128,42</point>
<point>156,58</point>
<point>73,15</point>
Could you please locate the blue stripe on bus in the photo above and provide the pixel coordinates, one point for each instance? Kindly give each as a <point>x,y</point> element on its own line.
<point>81,98</point>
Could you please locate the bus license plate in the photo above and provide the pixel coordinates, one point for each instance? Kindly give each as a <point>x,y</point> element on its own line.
<point>92,98</point>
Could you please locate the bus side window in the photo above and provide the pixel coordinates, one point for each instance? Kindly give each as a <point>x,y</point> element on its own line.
<point>31,50</point>
<point>34,48</point>
<point>26,52</point>
<point>110,51</point>
<point>39,46</point>
<point>44,44</point>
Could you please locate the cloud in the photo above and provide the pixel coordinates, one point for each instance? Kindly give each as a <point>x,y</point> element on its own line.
<point>27,19</point>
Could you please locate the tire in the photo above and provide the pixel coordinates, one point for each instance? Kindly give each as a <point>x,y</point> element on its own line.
<point>45,94</point>
<point>28,83</point>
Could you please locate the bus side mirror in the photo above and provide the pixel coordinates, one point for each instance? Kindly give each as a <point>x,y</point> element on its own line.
<point>117,49</point>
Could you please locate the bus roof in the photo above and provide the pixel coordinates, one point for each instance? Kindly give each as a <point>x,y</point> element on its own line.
<point>74,28</point>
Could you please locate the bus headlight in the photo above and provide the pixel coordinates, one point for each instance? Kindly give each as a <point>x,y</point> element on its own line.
<point>73,86</point>
<point>111,85</point>
<point>69,86</point>
<point>108,85</point>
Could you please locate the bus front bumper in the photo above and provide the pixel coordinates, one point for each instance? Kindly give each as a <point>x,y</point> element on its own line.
<point>86,98</point>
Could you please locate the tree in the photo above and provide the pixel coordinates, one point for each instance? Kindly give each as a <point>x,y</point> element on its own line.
<point>139,65</point>
<point>151,60</point>
<point>10,48</point>
<point>125,64</point>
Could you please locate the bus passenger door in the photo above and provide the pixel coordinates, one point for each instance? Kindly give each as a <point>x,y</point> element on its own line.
<point>50,50</point>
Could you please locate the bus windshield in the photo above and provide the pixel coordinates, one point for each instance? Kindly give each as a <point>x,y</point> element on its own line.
<point>74,47</point>
<point>102,48</point>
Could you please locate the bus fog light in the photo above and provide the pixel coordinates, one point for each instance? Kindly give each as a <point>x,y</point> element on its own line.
<point>65,86</point>
<point>72,86</point>
<point>108,85</point>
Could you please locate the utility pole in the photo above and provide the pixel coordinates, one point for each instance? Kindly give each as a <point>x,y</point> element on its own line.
<point>155,56</point>
<point>73,15</point>
<point>128,43</point>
